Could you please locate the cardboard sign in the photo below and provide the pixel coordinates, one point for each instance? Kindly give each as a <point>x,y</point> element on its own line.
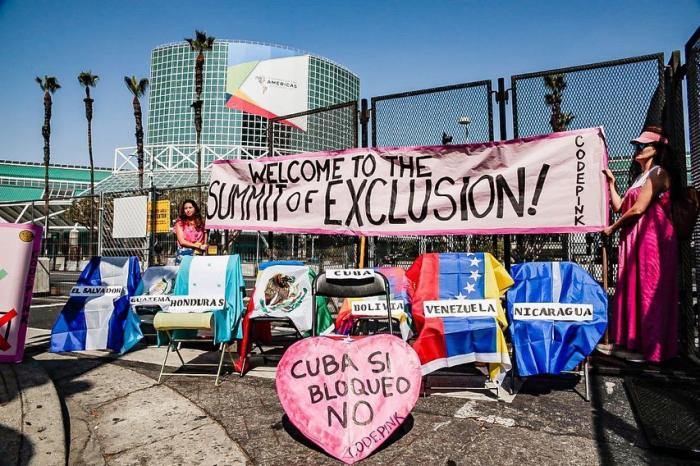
<point>196,303</point>
<point>21,246</point>
<point>349,274</point>
<point>150,300</point>
<point>373,307</point>
<point>348,397</point>
<point>553,311</point>
<point>460,308</point>
<point>84,291</point>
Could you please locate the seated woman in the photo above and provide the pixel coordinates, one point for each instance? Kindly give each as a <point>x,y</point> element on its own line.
<point>189,229</point>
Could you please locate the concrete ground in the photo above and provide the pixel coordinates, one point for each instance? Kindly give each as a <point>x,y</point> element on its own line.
<point>113,412</point>
<point>100,408</point>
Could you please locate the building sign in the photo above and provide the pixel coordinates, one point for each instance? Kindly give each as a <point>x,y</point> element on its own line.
<point>268,81</point>
<point>543,184</point>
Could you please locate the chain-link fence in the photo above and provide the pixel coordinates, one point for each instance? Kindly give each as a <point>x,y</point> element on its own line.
<point>692,60</point>
<point>621,95</point>
<point>71,234</point>
<point>328,128</point>
<point>455,114</point>
<point>617,95</point>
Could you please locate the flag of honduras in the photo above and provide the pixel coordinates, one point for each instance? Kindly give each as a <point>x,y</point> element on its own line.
<point>546,338</point>
<point>213,276</point>
<point>100,322</point>
<point>450,341</point>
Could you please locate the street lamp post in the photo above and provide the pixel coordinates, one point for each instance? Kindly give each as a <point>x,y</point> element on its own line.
<point>465,121</point>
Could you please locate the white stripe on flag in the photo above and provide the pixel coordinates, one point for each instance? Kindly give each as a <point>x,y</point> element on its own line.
<point>556,282</point>
<point>207,276</point>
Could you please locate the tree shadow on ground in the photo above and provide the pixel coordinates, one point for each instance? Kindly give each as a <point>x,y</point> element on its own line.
<point>14,444</point>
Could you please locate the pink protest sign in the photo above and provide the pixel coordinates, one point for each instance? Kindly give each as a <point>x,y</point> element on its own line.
<point>348,397</point>
<point>21,245</point>
<point>551,183</point>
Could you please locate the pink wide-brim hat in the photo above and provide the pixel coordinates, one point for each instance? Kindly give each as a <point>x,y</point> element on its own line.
<point>649,136</point>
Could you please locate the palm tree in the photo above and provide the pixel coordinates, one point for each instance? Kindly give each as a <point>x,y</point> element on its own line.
<point>200,44</point>
<point>88,80</point>
<point>138,89</point>
<point>559,121</point>
<point>48,84</point>
<point>556,83</point>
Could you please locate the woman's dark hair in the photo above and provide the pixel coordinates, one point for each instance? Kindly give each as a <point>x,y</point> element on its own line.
<point>197,216</point>
<point>665,158</point>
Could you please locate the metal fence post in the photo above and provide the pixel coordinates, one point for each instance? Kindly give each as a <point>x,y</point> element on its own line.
<point>364,141</point>
<point>675,129</point>
<point>152,235</point>
<point>100,222</point>
<point>502,99</point>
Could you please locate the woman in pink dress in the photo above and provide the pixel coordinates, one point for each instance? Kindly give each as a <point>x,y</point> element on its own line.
<point>189,229</point>
<point>644,323</point>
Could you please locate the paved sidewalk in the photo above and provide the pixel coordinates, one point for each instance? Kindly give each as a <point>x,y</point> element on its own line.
<point>31,420</point>
<point>119,415</point>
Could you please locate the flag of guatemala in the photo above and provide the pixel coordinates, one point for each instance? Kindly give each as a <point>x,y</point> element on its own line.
<point>100,322</point>
<point>450,341</point>
<point>551,346</point>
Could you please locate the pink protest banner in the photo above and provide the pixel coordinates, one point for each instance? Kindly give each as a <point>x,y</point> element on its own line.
<point>542,184</point>
<point>21,246</point>
<point>348,396</point>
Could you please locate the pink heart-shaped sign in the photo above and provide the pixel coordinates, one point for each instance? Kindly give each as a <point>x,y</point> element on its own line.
<point>348,396</point>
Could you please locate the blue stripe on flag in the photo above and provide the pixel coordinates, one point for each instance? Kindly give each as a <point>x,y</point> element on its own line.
<point>69,332</point>
<point>466,336</point>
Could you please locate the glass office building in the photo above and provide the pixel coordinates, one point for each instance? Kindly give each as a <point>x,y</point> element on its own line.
<point>245,84</point>
<point>226,128</point>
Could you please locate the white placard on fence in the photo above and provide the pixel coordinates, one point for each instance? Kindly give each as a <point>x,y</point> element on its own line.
<point>130,217</point>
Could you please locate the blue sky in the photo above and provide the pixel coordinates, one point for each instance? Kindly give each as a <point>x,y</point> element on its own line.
<point>393,46</point>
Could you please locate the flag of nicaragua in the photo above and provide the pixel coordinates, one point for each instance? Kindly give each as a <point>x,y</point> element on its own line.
<point>450,341</point>
<point>548,345</point>
<point>100,322</point>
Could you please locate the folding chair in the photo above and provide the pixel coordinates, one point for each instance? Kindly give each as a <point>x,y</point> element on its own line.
<point>170,323</point>
<point>358,316</point>
<point>217,278</point>
<point>352,283</point>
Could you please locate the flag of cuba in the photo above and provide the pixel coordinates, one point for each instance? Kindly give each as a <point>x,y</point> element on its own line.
<point>449,341</point>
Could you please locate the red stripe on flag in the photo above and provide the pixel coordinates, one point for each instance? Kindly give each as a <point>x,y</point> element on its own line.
<point>4,344</point>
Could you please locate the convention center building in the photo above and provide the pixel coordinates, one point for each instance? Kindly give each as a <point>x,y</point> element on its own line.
<point>245,84</point>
